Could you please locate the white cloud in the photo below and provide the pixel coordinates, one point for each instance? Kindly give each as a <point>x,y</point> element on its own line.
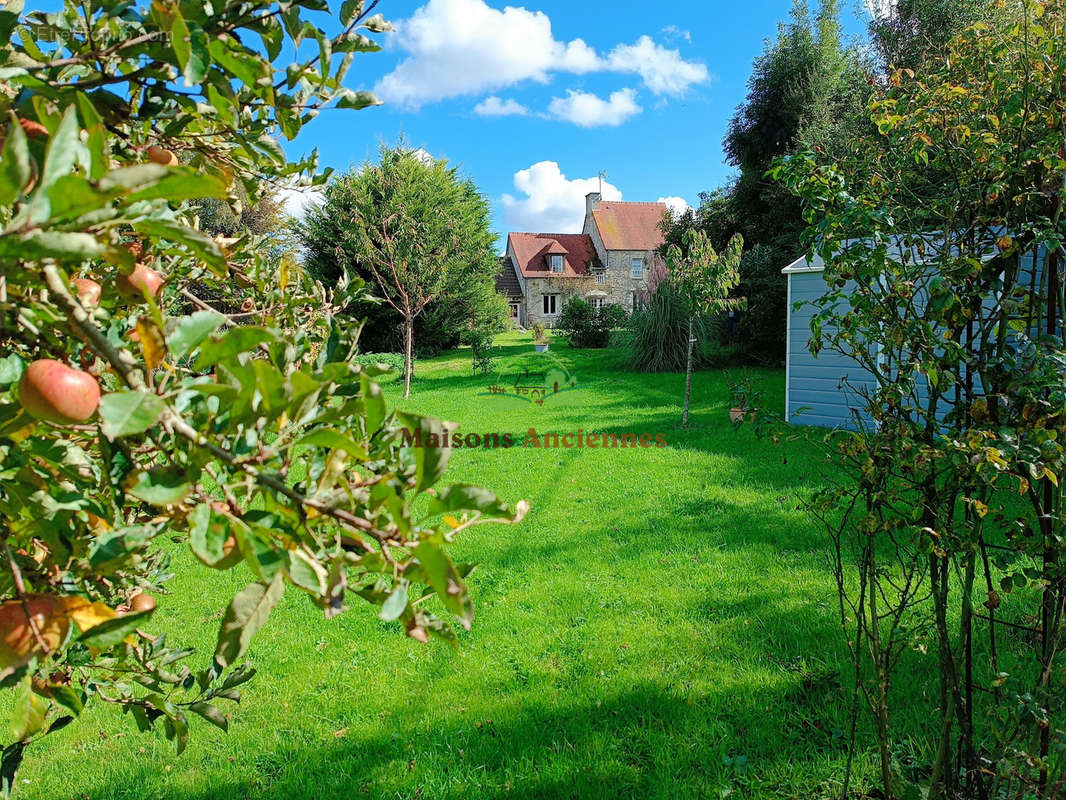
<point>590,111</point>
<point>881,9</point>
<point>423,155</point>
<point>663,71</point>
<point>552,203</point>
<point>457,48</point>
<point>673,33</point>
<point>297,201</point>
<point>495,107</point>
<point>464,47</point>
<point>677,205</point>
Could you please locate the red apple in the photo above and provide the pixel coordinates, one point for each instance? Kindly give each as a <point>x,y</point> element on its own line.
<point>88,291</point>
<point>160,155</point>
<point>34,130</point>
<point>130,286</point>
<point>52,391</point>
<point>142,602</point>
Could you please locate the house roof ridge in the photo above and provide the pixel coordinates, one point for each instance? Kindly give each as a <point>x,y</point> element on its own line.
<point>544,235</point>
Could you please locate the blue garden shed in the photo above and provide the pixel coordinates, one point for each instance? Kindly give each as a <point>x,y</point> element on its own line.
<point>824,390</point>
<point>819,390</point>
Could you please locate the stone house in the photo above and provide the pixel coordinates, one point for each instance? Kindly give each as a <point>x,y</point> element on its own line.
<point>608,262</point>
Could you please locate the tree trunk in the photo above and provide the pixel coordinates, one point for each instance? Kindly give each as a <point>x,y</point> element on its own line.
<point>688,374</point>
<point>408,358</point>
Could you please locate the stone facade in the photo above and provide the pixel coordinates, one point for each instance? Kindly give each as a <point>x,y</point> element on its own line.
<point>564,288</point>
<point>618,287</point>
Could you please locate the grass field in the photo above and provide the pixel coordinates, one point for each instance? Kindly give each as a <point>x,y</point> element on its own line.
<point>662,624</point>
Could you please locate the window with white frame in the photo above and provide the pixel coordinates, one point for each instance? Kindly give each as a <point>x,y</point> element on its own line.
<point>557,263</point>
<point>601,278</point>
<point>638,267</point>
<point>596,303</point>
<point>550,304</point>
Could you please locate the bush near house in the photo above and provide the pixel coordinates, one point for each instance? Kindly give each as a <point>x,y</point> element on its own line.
<point>586,327</point>
<point>657,337</point>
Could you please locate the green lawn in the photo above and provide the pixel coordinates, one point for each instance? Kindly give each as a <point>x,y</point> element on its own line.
<point>662,624</point>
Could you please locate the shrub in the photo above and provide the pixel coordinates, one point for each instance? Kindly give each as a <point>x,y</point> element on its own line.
<point>657,338</point>
<point>481,350</point>
<point>486,320</point>
<point>585,327</point>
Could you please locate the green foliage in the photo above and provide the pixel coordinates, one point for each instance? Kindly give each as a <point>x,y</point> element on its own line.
<point>258,444</point>
<point>921,30</point>
<point>943,239</point>
<point>761,325</point>
<point>488,317</point>
<point>585,327</point>
<point>391,361</point>
<point>656,339</point>
<point>419,235</point>
<point>704,280</point>
<point>807,87</point>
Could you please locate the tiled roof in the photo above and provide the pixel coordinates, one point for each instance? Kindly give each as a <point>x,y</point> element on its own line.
<point>630,226</point>
<point>506,280</point>
<point>531,250</point>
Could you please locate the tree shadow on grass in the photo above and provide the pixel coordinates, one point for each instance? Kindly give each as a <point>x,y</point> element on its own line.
<point>645,741</point>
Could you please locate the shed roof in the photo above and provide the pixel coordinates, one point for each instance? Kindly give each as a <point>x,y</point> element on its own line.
<point>804,264</point>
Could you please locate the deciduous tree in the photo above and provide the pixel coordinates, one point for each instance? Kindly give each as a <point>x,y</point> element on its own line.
<point>415,229</point>
<point>704,279</point>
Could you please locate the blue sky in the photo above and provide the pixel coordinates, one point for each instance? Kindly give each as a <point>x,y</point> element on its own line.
<point>642,91</point>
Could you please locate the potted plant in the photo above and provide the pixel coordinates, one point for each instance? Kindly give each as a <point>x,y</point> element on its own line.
<point>745,399</point>
<point>540,338</point>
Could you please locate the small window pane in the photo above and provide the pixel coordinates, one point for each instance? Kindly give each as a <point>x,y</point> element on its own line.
<point>638,267</point>
<point>557,263</point>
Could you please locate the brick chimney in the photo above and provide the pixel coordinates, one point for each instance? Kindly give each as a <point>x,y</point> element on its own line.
<point>592,202</point>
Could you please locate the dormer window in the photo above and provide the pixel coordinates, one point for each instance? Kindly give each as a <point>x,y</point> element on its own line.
<point>557,263</point>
